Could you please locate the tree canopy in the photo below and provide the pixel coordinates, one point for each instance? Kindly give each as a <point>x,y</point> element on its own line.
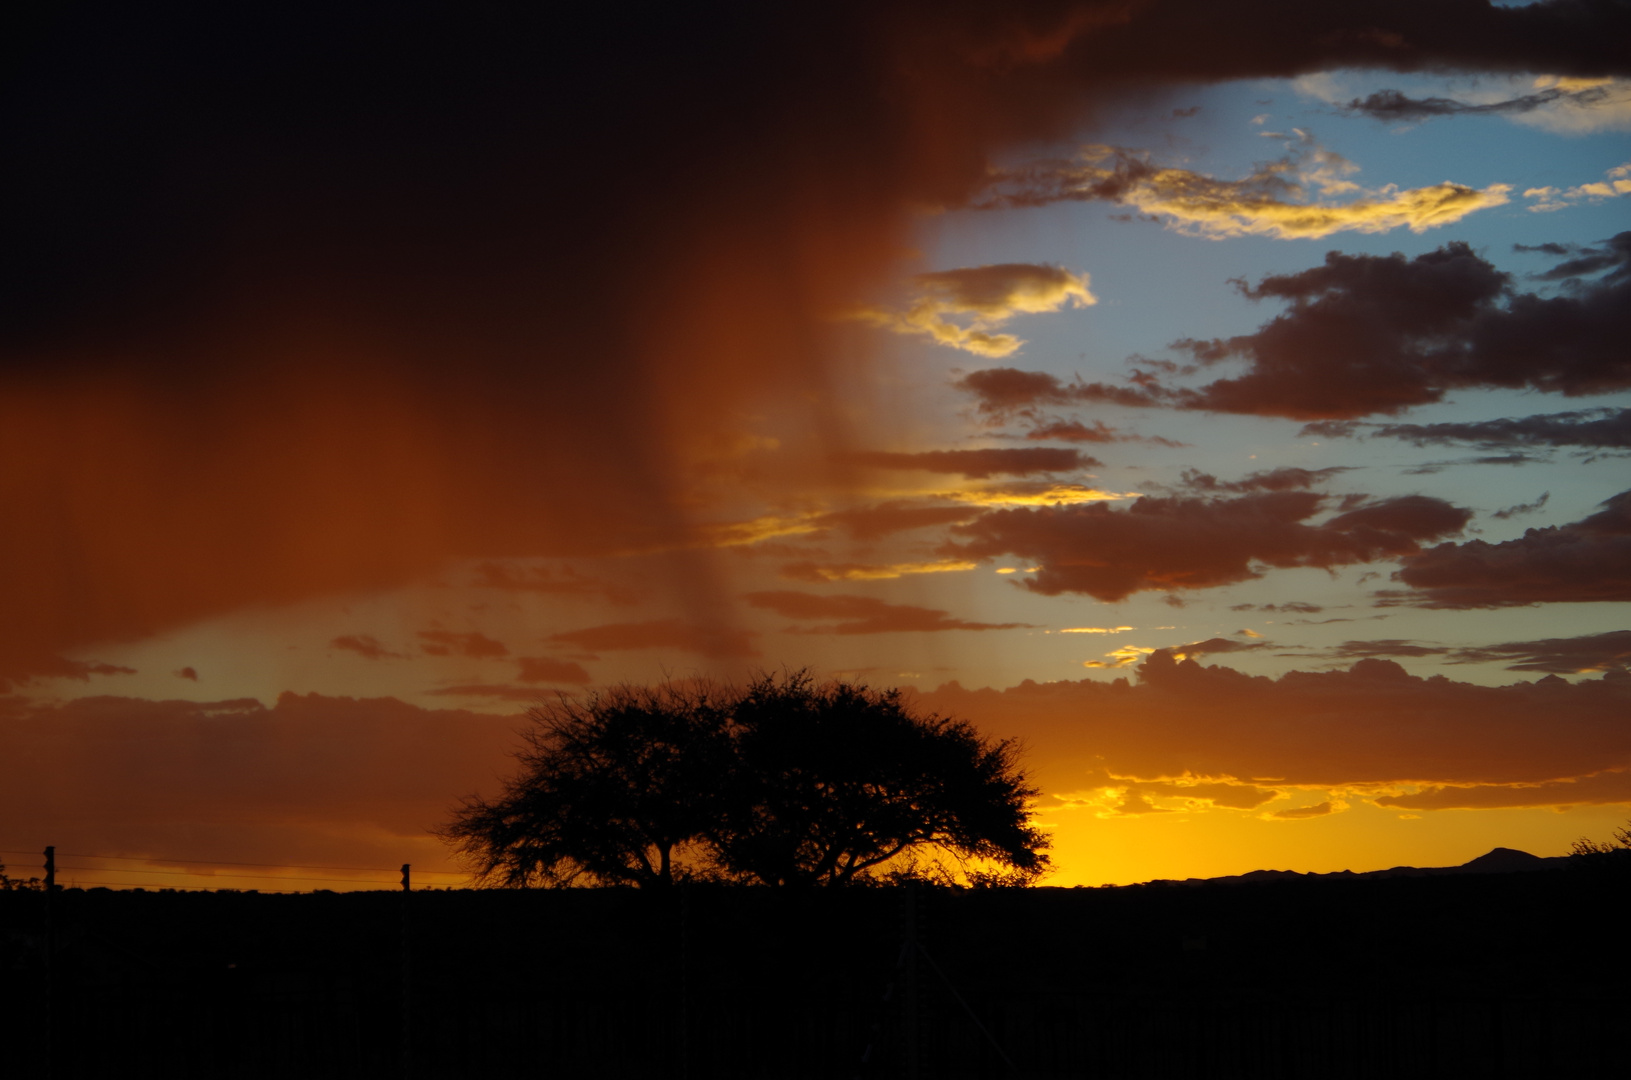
<point>784,782</point>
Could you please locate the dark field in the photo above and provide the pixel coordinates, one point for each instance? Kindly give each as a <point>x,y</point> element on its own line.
<point>1519,975</point>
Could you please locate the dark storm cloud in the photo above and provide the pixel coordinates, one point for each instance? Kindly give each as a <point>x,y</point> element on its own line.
<point>848,614</point>
<point>1557,656</point>
<point>309,298</point>
<point>980,464</point>
<point>1185,543</point>
<point>1392,105</point>
<point>1583,561</point>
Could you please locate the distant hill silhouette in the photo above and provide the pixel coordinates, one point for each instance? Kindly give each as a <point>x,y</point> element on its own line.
<point>1501,860</point>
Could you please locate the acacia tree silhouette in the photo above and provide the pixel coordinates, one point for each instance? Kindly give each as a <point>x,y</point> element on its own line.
<point>785,782</point>
<point>1586,846</point>
<point>611,790</point>
<point>11,884</point>
<point>835,781</point>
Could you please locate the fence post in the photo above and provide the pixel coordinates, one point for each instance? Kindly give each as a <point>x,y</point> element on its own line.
<point>407,983</point>
<point>911,1007</point>
<point>50,960</point>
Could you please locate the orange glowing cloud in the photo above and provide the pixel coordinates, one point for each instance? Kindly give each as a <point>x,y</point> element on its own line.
<point>1274,200</point>
<point>1373,730</point>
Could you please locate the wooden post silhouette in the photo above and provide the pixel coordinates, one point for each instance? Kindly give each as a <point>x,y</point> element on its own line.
<point>407,984</point>
<point>685,981</point>
<point>50,959</point>
<point>911,1005</point>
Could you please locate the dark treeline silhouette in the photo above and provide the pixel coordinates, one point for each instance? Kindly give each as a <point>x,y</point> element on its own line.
<point>782,782</point>
<point>1515,974</point>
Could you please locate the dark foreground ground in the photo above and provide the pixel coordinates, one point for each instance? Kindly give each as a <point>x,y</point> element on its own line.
<point>1488,975</point>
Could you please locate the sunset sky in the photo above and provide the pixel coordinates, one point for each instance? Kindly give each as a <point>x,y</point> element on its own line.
<point>1231,401</point>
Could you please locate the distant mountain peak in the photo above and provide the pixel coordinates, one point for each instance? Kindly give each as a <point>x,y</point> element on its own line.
<point>1501,860</point>
<point>1504,860</point>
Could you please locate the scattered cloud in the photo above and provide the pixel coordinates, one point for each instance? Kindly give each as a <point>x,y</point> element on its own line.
<point>1385,647</point>
<point>1606,787</point>
<point>726,534</point>
<point>1216,645</point>
<point>1125,656</point>
<point>826,572</point>
<point>1558,656</point>
<point>1614,255</point>
<point>984,298</point>
<point>1604,428</point>
<point>366,646</point>
<point>21,670</point>
<point>1583,561</point>
<point>498,691</point>
<point>1075,431</point>
<point>1112,795</point>
<point>1370,334</point>
<point>136,776</point>
<point>1172,544</point>
<point>548,580</point>
<point>1303,813</point>
<point>886,519</point>
<point>849,614</point>
<point>712,641</point>
<point>1282,479</point>
<point>1037,494</point>
<point>1522,509</point>
<point>473,645</point>
<point>539,669</point>
<point>980,464</point>
<point>188,673</point>
<point>1054,429</point>
<point>1615,182</point>
<point>1294,607</point>
<point>1394,106</point>
<point>427,443</point>
<point>1306,194</point>
<point>1373,727</point>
